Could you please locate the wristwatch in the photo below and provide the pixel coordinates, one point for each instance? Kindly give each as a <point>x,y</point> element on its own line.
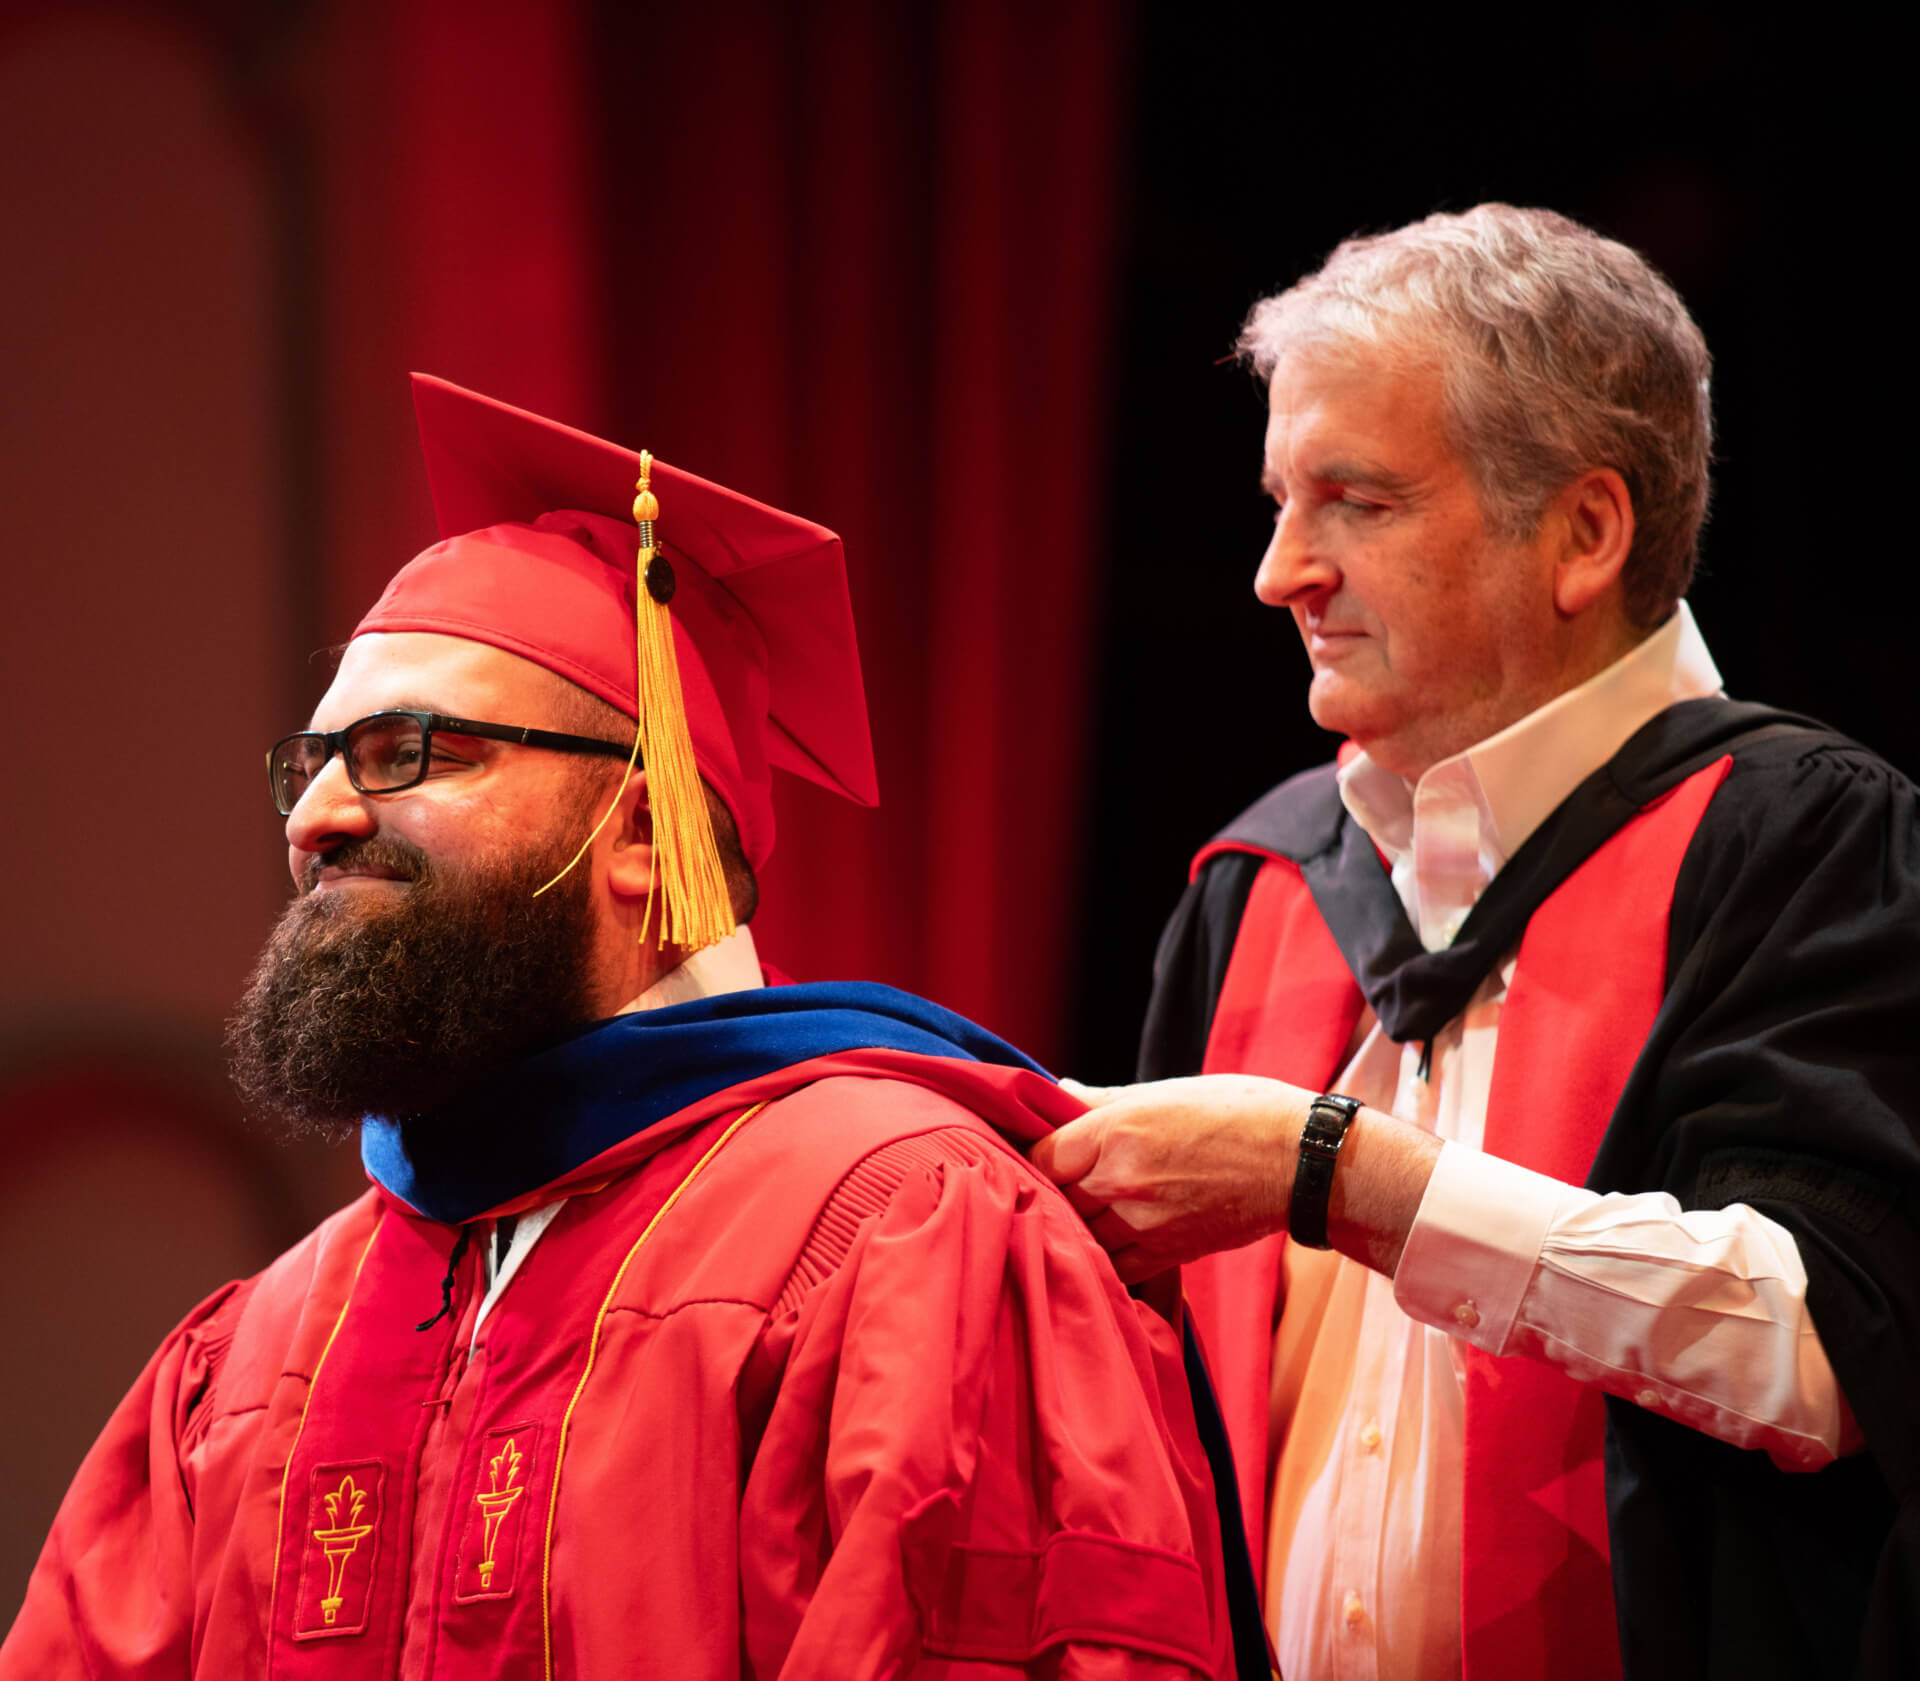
<point>1320,1139</point>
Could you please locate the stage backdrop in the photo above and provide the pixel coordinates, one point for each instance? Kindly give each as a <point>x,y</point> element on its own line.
<point>851,258</point>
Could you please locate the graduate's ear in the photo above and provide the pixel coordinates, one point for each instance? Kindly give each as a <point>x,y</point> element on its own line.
<point>1594,519</point>
<point>628,855</point>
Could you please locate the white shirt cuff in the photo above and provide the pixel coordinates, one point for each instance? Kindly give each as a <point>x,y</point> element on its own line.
<point>1474,1244</point>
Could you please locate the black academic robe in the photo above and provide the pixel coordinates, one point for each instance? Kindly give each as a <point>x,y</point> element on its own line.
<point>1782,1071</point>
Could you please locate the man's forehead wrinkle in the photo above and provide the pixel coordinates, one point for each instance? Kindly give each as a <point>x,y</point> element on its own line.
<point>1361,427</point>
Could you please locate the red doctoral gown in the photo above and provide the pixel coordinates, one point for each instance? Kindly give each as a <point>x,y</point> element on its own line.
<point>815,1378</point>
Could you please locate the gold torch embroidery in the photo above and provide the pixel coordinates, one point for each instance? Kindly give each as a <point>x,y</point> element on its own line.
<point>504,1488</point>
<point>343,1533</point>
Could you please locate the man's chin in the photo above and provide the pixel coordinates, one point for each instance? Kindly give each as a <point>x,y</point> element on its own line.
<point>1337,703</point>
<point>1375,723</point>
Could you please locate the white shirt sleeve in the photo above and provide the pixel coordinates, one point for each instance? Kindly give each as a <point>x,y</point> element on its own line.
<point>1698,1315</point>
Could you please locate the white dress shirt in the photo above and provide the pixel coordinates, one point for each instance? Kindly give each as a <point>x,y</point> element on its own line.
<point>1701,1315</point>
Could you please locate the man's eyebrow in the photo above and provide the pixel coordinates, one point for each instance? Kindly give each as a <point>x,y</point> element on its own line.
<point>1358,470</point>
<point>1349,470</point>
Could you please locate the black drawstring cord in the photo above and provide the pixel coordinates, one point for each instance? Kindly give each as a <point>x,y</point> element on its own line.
<point>446,1284</point>
<point>1426,1060</point>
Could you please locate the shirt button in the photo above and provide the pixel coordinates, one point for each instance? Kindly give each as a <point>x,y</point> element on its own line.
<point>1466,1315</point>
<point>1353,1611</point>
<point>1647,1398</point>
<point>1370,1435</point>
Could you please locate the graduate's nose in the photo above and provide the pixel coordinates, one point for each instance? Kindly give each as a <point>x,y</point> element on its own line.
<point>329,812</point>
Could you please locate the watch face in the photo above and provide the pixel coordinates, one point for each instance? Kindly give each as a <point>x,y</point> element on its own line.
<point>1328,1120</point>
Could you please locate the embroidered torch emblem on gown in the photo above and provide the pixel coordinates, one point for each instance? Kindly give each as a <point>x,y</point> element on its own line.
<point>503,1488</point>
<point>490,1548</point>
<point>342,1533</point>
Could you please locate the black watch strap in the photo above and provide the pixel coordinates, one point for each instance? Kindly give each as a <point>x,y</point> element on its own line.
<point>1320,1139</point>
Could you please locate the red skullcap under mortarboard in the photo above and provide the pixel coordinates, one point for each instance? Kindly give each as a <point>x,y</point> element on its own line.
<point>537,558</point>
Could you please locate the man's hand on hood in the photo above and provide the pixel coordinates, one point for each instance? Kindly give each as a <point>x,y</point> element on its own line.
<point>1175,1169</point>
<point>1178,1168</point>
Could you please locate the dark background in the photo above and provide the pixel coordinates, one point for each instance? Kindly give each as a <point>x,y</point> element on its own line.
<point>956,279</point>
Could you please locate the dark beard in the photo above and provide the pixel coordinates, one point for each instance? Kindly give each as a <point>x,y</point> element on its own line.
<point>395,1008</point>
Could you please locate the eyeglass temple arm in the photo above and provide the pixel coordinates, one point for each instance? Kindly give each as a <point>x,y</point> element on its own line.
<point>530,737</point>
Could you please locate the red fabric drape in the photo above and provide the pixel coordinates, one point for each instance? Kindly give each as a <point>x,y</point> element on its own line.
<point>459,232</point>
<point>851,258</point>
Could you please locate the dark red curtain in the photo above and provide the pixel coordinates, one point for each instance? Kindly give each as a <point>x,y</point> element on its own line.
<point>848,257</point>
<point>459,234</point>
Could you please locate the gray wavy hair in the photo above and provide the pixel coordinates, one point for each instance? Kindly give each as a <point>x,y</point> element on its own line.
<point>1559,350</point>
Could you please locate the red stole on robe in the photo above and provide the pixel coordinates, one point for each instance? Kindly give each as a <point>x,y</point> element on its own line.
<point>342,1565</point>
<point>1536,1587</point>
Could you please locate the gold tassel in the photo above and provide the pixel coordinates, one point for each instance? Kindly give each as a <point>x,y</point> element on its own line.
<point>695,910</point>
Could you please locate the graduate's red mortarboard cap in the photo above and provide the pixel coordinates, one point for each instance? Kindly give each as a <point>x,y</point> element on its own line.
<point>537,557</point>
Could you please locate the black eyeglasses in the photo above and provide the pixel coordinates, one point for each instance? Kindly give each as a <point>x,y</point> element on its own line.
<point>389,751</point>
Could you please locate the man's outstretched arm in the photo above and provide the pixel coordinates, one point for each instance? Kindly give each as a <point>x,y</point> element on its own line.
<point>1507,1259</point>
<point>1183,1168</point>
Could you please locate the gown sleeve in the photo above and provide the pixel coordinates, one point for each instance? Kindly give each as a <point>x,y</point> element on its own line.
<point>111,1597</point>
<point>1781,1075</point>
<point>981,1460</point>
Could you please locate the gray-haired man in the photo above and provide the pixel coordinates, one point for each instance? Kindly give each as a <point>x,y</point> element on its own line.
<point>1609,1242</point>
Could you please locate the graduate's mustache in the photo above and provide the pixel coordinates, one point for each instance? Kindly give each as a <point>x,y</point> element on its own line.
<point>388,854</point>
